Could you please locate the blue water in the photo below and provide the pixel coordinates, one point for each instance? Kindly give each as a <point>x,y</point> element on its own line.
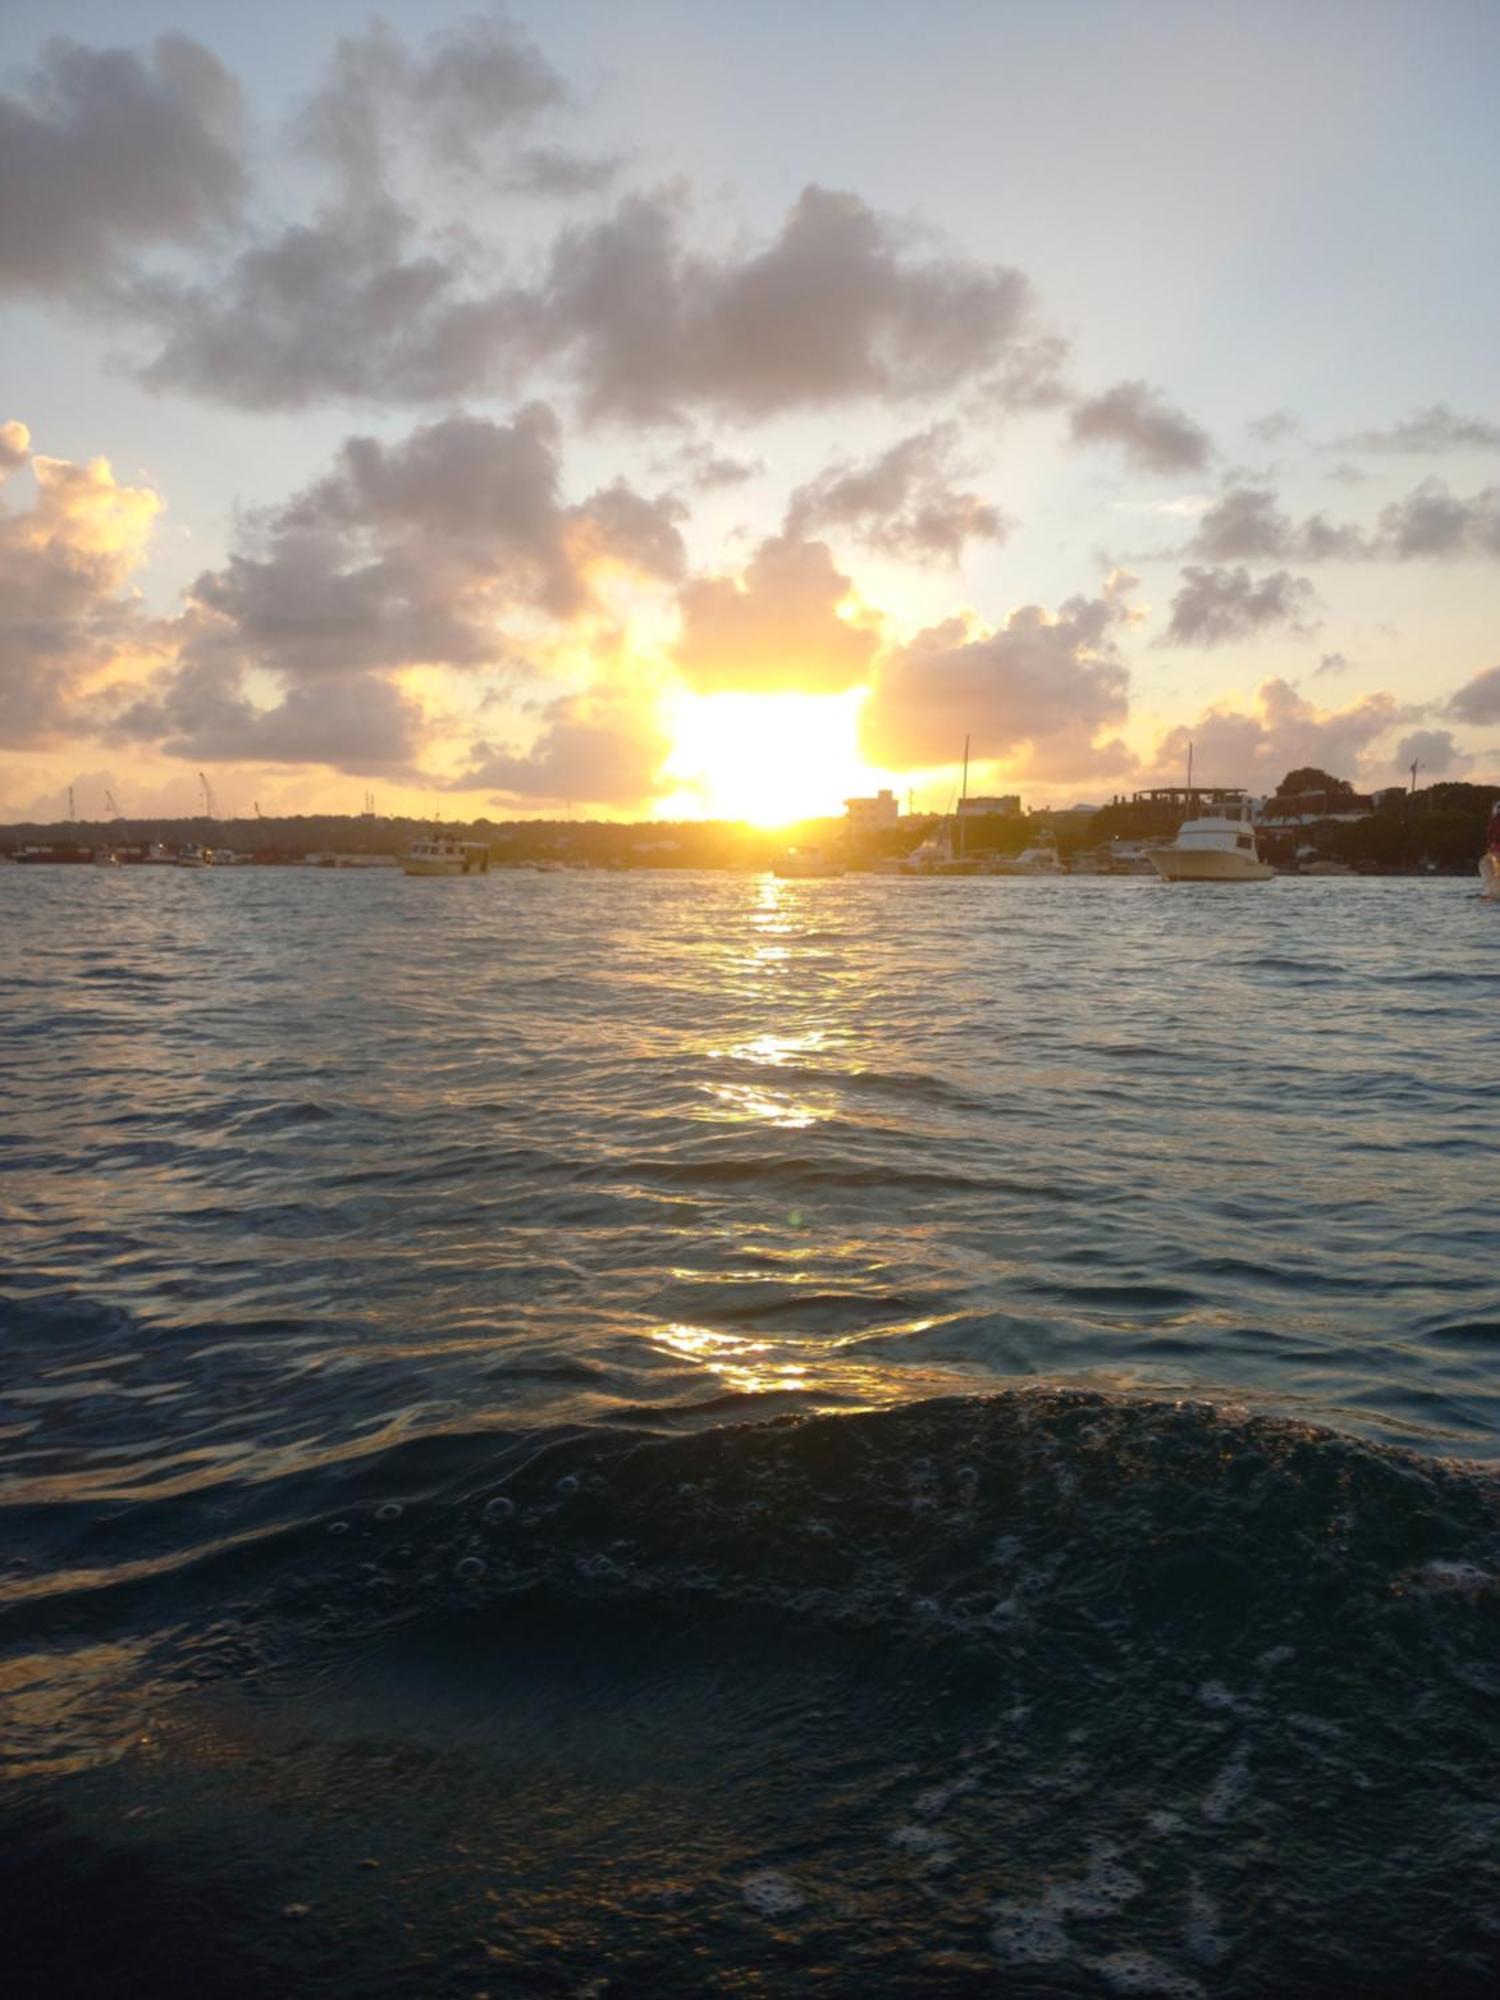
<point>390,1271</point>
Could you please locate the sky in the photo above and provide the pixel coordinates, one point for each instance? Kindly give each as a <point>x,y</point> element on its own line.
<point>683,409</point>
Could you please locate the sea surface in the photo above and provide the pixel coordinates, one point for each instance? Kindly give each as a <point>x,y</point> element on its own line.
<point>628,1435</point>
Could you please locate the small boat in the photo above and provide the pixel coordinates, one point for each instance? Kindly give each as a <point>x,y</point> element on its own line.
<point>1039,860</point>
<point>807,864</point>
<point>1489,861</point>
<point>1212,850</point>
<point>439,854</point>
<point>194,857</point>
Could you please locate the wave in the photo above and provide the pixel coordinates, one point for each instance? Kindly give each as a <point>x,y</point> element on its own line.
<point>1092,1693</point>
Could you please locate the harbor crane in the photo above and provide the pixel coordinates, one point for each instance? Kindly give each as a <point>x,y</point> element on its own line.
<point>208,797</point>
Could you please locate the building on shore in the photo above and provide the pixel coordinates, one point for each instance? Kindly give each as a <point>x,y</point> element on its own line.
<point>872,815</point>
<point>1008,806</point>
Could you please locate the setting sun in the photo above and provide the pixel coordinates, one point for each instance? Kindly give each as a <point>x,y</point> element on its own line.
<point>768,758</point>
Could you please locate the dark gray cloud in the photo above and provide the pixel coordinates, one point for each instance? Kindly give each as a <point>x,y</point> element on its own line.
<point>903,502</point>
<point>104,153</point>
<point>776,629</point>
<point>349,307</point>
<point>418,553</point>
<point>1350,475</point>
<point>1247,525</point>
<point>66,610</point>
<point>1435,429</point>
<point>1478,700</point>
<point>1050,681</point>
<point>359,305</point>
<point>602,748</point>
<point>1217,606</point>
<point>356,722</point>
<point>471,85</point>
<point>1153,436</point>
<point>1332,663</point>
<point>1431,521</point>
<point>841,304</point>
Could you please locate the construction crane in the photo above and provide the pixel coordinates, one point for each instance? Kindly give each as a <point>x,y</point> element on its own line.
<point>258,813</point>
<point>110,807</point>
<point>72,809</point>
<point>208,797</point>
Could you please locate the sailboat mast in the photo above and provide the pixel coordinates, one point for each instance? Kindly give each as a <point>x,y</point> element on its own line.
<point>963,801</point>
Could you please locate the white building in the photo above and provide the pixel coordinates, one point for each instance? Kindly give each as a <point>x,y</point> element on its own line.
<point>1006,807</point>
<point>873,815</point>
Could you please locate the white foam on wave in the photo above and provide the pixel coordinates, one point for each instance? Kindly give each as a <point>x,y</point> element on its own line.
<point>1139,1972</point>
<point>770,1894</point>
<point>1033,1933</point>
<point>1229,1789</point>
<point>1202,1932</point>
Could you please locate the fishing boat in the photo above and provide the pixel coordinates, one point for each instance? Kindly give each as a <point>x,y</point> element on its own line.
<point>440,854</point>
<point>1489,861</point>
<point>1212,849</point>
<point>1039,860</point>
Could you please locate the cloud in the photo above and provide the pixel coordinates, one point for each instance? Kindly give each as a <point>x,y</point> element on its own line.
<point>1478,700</point>
<point>15,447</point>
<point>708,468</point>
<point>1282,732</point>
<point>1431,521</point>
<point>1046,683</point>
<point>357,722</point>
<point>841,304</point>
<point>1153,436</point>
<point>474,83</point>
<point>440,550</point>
<point>901,502</point>
<point>418,553</point>
<point>775,629</point>
<point>552,173</point>
<point>1434,429</point>
<point>1332,663</point>
<point>1434,750</point>
<point>1276,427</point>
<point>104,153</point>
<point>350,307</point>
<point>66,613</point>
<point>1247,525</point>
<point>1216,606</point>
<point>1350,475</point>
<point>604,747</point>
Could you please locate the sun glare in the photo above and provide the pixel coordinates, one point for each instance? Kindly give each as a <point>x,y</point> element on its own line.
<point>768,758</point>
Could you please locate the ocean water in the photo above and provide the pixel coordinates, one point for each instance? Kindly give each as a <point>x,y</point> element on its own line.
<point>631,1435</point>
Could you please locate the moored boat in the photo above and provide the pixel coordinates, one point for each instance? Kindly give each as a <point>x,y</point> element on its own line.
<point>440,854</point>
<point>1212,849</point>
<point>1489,861</point>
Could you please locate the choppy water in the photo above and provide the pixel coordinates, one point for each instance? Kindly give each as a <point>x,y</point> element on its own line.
<point>396,1282</point>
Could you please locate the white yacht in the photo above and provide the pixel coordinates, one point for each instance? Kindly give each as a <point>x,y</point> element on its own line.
<point>1489,861</point>
<point>439,854</point>
<point>1212,850</point>
<point>1040,860</point>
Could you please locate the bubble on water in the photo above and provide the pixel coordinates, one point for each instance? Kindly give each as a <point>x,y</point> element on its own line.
<point>1104,1891</point>
<point>567,1485</point>
<point>1201,1933</point>
<point>1229,1788</point>
<point>1139,1972</point>
<point>338,1527</point>
<point>389,1510</point>
<point>497,1511</point>
<point>1164,1822</point>
<point>926,1844</point>
<point>296,1909</point>
<point>470,1570</point>
<point>1214,1694</point>
<point>1314,1725</point>
<point>1275,1656</point>
<point>770,1894</point>
<point>1028,1934</point>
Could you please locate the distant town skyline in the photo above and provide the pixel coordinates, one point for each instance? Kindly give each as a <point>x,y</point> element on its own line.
<point>720,412</point>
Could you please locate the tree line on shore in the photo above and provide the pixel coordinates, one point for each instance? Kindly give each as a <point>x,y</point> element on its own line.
<point>1441,827</point>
